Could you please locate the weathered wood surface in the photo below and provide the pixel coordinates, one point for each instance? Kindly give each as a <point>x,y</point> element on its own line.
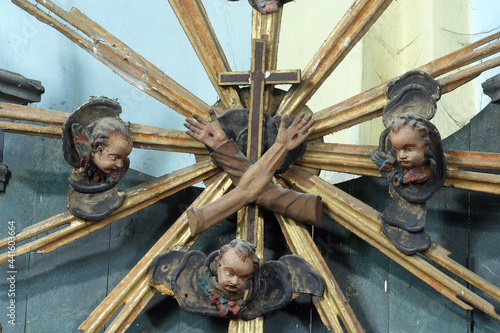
<point>129,287</point>
<point>143,136</point>
<point>268,27</point>
<point>61,281</point>
<point>364,221</point>
<point>138,198</point>
<point>351,28</point>
<point>124,61</point>
<point>15,88</point>
<point>356,159</point>
<point>369,104</point>
<point>333,306</point>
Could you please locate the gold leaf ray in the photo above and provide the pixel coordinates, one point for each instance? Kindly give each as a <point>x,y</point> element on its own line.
<point>369,104</point>
<point>351,28</point>
<point>364,221</point>
<point>125,62</point>
<point>356,159</point>
<point>138,197</point>
<point>49,123</point>
<point>179,233</point>
<point>197,26</point>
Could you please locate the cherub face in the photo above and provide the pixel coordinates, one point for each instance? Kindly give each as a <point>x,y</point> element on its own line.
<point>232,272</point>
<point>111,158</point>
<point>409,146</point>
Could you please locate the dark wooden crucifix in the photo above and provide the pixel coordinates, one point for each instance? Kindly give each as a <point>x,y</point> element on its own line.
<point>257,78</point>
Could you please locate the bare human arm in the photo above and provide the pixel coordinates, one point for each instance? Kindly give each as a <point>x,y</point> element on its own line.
<point>261,172</point>
<point>257,177</point>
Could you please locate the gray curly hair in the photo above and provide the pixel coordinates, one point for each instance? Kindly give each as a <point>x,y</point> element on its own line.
<point>102,129</point>
<point>243,250</point>
<point>411,119</point>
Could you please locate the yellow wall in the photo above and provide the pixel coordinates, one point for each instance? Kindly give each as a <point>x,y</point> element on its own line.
<point>409,34</point>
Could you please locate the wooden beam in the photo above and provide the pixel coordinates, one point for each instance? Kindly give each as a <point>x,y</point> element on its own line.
<point>196,24</point>
<point>265,27</point>
<point>129,287</point>
<point>268,27</point>
<point>462,57</point>
<point>351,28</point>
<point>453,81</point>
<point>333,305</point>
<point>369,104</point>
<point>49,124</point>
<point>124,61</point>
<point>138,197</point>
<point>133,305</point>
<point>364,221</point>
<point>356,159</point>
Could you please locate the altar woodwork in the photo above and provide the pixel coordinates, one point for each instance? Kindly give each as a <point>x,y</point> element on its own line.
<point>134,293</point>
<point>257,78</point>
<point>254,178</point>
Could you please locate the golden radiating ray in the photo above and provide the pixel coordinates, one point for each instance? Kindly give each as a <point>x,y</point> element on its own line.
<point>268,27</point>
<point>356,159</point>
<point>255,325</point>
<point>263,27</point>
<point>364,221</point>
<point>370,234</point>
<point>133,306</point>
<point>351,28</point>
<point>369,104</point>
<point>49,123</point>
<point>453,81</point>
<point>138,197</point>
<point>464,56</point>
<point>333,305</point>
<point>125,62</point>
<point>128,288</point>
<point>197,26</point>
<point>347,158</point>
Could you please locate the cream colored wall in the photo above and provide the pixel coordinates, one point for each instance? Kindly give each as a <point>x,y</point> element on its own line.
<point>303,31</point>
<point>408,34</point>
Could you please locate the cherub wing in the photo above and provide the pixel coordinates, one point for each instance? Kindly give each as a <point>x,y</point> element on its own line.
<point>387,164</point>
<point>395,177</point>
<point>384,162</point>
<point>81,141</point>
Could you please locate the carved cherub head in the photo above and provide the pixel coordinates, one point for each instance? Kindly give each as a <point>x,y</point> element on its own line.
<point>110,143</point>
<point>409,138</point>
<point>236,263</point>
<point>266,6</point>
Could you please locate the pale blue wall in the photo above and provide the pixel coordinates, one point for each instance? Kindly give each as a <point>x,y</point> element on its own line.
<point>70,75</point>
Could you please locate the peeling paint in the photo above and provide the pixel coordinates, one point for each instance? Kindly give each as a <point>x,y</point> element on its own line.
<point>347,42</point>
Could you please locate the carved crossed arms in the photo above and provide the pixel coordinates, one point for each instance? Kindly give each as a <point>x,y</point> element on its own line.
<point>253,181</point>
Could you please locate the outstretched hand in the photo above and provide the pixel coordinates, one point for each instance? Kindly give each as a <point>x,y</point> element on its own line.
<point>208,133</point>
<point>296,133</point>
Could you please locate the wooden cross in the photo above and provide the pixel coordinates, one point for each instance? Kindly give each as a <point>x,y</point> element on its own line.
<point>257,78</point>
